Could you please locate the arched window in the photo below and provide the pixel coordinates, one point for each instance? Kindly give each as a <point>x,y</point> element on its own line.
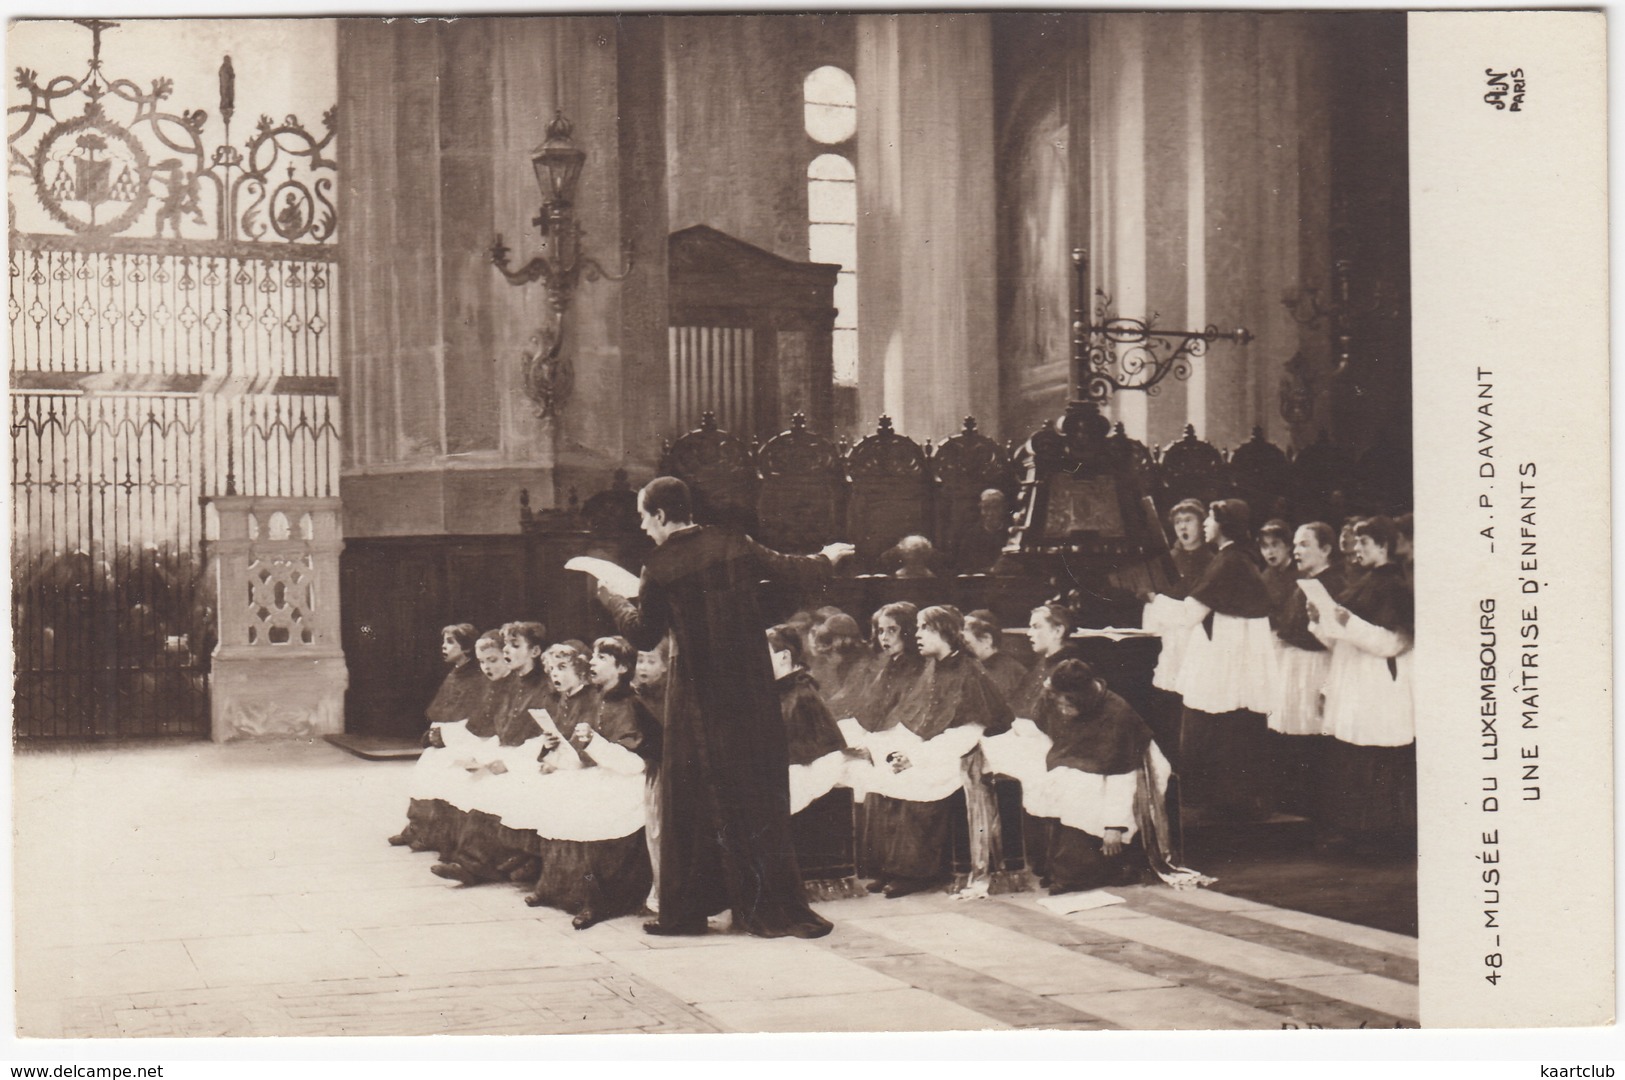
<point>831,117</point>
<point>831,105</point>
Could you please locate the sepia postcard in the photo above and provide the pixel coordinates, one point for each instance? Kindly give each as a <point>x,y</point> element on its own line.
<point>866,522</point>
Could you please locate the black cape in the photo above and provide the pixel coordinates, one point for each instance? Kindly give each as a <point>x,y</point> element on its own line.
<point>1232,585</point>
<point>1280,582</point>
<point>808,725</point>
<point>1107,737</point>
<point>654,696</point>
<point>893,679</point>
<point>952,692</point>
<point>620,715</point>
<point>1381,597</point>
<point>580,707</point>
<point>493,703</point>
<point>845,678</point>
<point>1007,673</point>
<point>725,793</point>
<point>514,724</point>
<point>1030,692</point>
<point>1191,566</point>
<point>459,695</point>
<point>1290,620</point>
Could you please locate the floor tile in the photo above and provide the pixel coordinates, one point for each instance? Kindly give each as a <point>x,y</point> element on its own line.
<point>89,970</point>
<point>854,942</point>
<point>280,958</point>
<point>283,912</point>
<point>1371,991</point>
<point>883,1010</point>
<point>1211,948</point>
<point>1029,902</point>
<point>1293,1004</point>
<point>1364,936</point>
<point>281,880</point>
<point>38,1017</point>
<point>421,905</point>
<point>1241,926</point>
<point>973,990</point>
<point>755,969</point>
<point>1215,900</point>
<point>173,919</point>
<point>1173,1008</point>
<point>1035,966</point>
<point>489,946</point>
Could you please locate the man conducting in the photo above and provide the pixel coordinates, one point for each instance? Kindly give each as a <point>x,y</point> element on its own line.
<point>725,802</point>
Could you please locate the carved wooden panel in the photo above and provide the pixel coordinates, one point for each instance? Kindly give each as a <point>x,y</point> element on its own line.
<point>799,506</point>
<point>1191,469</point>
<point>1386,483</point>
<point>965,465</point>
<point>890,496</point>
<point>1262,475</point>
<point>1121,445</point>
<point>1323,476</point>
<point>720,471</point>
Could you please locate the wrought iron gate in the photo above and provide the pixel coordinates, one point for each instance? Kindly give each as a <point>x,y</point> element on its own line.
<point>149,372</point>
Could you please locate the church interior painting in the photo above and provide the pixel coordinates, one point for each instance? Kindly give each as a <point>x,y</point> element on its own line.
<point>333,341</point>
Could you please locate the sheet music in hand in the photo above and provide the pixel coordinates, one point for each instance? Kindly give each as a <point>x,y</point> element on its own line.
<point>616,579</point>
<point>1318,596</point>
<point>562,756</point>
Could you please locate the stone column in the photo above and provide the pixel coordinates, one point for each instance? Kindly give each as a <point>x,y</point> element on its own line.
<point>278,669</point>
<point>440,122</point>
<point>927,333</point>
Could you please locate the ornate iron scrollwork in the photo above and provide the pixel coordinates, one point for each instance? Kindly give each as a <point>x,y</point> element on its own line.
<point>127,159</point>
<point>1111,352</point>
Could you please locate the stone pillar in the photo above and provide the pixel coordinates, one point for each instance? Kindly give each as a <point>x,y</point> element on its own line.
<point>1206,194</point>
<point>440,122</point>
<point>926,212</point>
<point>277,668</point>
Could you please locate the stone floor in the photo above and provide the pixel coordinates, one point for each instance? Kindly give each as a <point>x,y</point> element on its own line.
<point>201,890</point>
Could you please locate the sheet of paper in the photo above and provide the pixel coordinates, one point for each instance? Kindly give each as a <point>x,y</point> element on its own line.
<point>562,756</point>
<point>1317,595</point>
<point>1114,633</point>
<point>617,579</point>
<point>1069,903</point>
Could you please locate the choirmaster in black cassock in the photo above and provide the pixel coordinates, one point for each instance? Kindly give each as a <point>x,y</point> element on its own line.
<point>725,799</point>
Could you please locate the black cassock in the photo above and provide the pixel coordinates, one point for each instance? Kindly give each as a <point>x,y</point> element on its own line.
<point>724,782</point>
<point>809,728</point>
<point>908,839</point>
<point>459,696</point>
<point>609,877</point>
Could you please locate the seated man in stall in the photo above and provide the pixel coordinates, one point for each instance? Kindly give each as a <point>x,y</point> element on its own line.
<point>914,557</point>
<point>980,542</point>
